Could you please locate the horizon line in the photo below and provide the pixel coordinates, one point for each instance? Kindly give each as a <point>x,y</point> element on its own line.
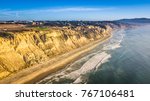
<point>81,20</point>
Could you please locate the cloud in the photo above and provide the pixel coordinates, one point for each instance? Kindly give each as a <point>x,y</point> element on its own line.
<point>77,9</point>
<point>73,9</point>
<point>7,12</point>
<point>35,12</point>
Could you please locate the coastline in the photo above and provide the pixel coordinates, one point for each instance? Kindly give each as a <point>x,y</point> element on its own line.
<point>38,72</point>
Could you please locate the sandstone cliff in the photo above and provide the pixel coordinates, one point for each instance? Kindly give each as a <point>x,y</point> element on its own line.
<point>23,49</point>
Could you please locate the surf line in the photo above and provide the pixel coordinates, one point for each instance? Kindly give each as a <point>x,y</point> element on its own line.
<point>91,65</point>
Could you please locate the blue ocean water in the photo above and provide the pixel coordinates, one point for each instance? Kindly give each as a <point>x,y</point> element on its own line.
<point>129,64</point>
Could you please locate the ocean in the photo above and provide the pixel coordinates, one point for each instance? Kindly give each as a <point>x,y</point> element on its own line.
<point>124,59</point>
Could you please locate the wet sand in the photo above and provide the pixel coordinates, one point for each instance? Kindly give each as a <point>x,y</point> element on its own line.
<point>36,73</point>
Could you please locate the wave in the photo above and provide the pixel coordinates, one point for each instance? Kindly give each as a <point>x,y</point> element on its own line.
<point>91,65</point>
<point>115,42</point>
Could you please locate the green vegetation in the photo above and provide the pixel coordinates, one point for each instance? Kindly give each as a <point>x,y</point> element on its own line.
<point>41,28</point>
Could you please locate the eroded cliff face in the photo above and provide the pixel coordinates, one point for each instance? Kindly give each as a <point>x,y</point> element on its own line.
<point>19,50</point>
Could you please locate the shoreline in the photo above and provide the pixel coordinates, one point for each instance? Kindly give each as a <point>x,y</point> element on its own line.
<point>36,73</point>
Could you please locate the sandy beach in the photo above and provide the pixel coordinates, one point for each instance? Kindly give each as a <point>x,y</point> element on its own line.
<point>38,72</point>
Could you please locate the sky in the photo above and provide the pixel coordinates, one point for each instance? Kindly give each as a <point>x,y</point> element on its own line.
<point>93,10</point>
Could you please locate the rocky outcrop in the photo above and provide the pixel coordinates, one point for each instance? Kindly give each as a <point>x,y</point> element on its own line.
<point>23,49</point>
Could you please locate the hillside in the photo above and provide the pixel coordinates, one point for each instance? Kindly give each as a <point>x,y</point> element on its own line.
<point>135,21</point>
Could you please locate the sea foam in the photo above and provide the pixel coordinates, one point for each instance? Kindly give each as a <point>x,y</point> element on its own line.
<point>114,42</point>
<point>91,65</point>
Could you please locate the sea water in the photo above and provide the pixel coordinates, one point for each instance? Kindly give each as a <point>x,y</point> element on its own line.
<point>129,64</point>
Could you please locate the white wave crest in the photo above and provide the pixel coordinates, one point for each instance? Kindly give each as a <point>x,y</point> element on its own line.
<point>88,67</point>
<point>115,42</point>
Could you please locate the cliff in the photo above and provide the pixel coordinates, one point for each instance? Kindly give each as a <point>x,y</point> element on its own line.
<point>24,49</point>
